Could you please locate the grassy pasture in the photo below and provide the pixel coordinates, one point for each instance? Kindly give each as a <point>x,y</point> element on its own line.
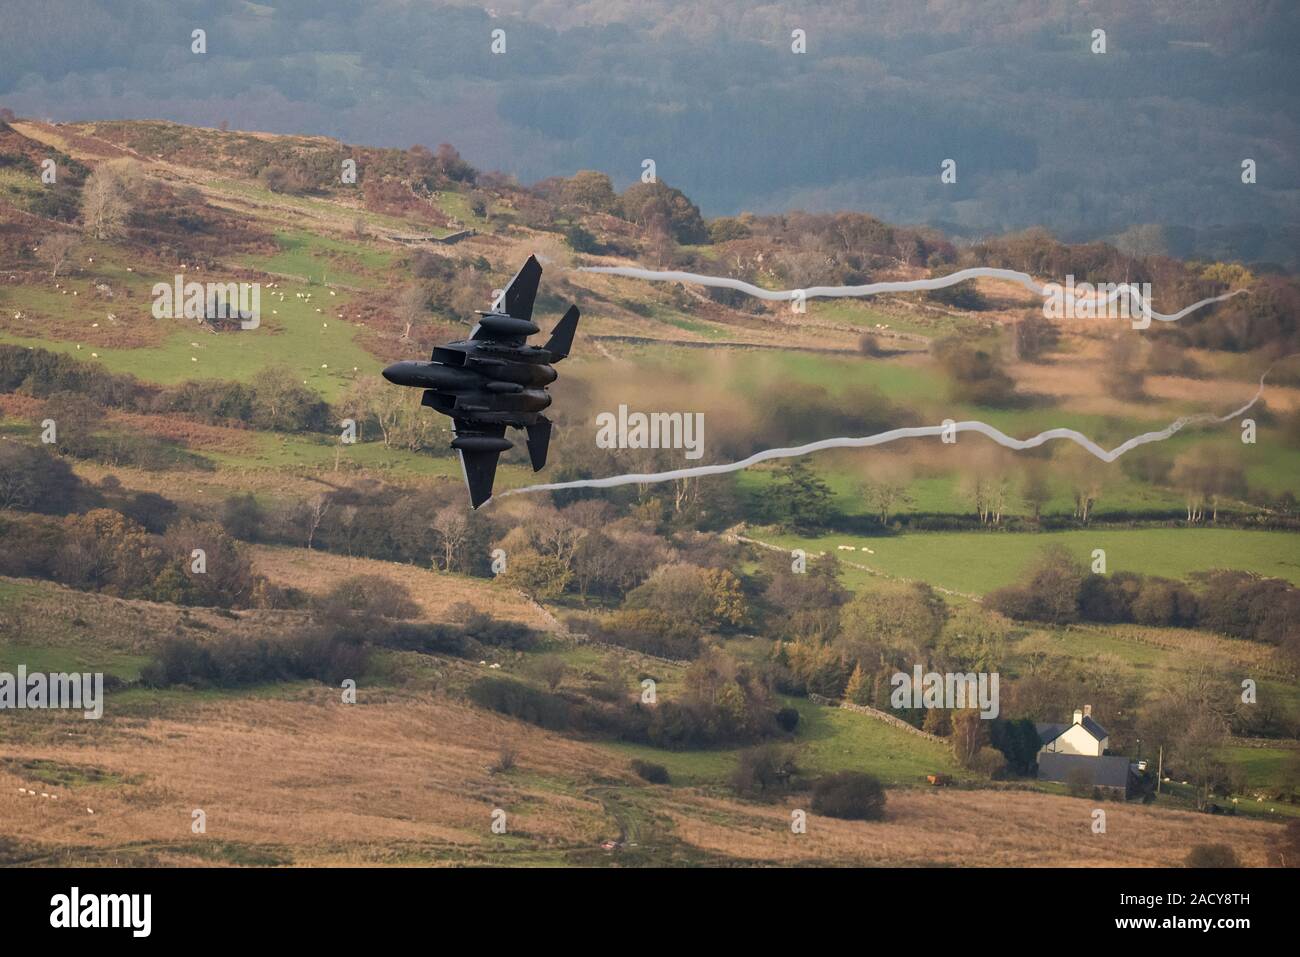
<point>979,562</point>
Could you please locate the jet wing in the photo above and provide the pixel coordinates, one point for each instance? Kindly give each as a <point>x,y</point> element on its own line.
<point>479,468</point>
<point>523,290</point>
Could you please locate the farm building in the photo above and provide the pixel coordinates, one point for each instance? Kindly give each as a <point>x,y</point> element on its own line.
<point>1075,753</point>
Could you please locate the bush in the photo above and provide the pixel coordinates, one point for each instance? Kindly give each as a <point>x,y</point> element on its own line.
<point>763,770</point>
<point>647,771</point>
<point>850,796</point>
<point>507,758</point>
<point>238,662</point>
<point>1212,855</point>
<point>989,761</point>
<point>366,597</point>
<point>787,720</point>
<point>520,701</point>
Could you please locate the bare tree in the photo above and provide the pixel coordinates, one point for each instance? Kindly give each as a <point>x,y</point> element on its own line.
<point>412,309</point>
<point>316,510</point>
<point>55,251</point>
<point>452,526</point>
<point>106,200</point>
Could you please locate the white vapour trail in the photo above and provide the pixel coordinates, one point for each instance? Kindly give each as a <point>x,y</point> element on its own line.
<point>646,478</point>
<point>1133,293</point>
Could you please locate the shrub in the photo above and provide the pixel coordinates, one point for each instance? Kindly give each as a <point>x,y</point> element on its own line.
<point>367,597</point>
<point>647,771</point>
<point>238,662</point>
<point>763,770</point>
<point>850,796</point>
<point>1212,855</point>
<point>990,761</point>
<point>517,700</point>
<point>787,720</point>
<point>507,757</point>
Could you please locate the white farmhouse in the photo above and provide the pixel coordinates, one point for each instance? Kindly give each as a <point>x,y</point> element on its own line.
<point>1083,736</point>
<point>1075,753</point>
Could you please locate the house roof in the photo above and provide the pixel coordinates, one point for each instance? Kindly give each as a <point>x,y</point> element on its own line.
<point>1094,729</point>
<point>1050,732</point>
<point>1106,772</point>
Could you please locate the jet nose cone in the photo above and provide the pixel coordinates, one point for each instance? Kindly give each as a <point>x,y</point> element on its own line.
<point>397,373</point>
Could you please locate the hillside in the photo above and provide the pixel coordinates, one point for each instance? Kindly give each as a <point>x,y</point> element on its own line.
<point>1016,92</point>
<point>500,657</point>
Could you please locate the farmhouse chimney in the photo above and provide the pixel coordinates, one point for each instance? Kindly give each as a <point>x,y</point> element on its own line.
<point>1078,717</point>
<point>1087,711</point>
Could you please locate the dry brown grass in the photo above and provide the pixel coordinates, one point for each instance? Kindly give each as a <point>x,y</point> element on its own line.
<point>973,828</point>
<point>311,780</point>
<point>316,572</point>
<point>408,779</point>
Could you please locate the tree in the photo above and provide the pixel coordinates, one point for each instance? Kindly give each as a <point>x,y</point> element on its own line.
<point>703,598</point>
<point>552,669</point>
<point>315,514</point>
<point>106,199</point>
<point>798,498</point>
<point>885,495</point>
<point>412,309</point>
<point>33,479</point>
<point>1207,479</point>
<point>969,735</point>
<point>591,190</point>
<point>452,527</point>
<point>541,577</point>
<point>280,404</point>
<point>1197,754</point>
<point>897,617</point>
<point>1055,583</point>
<point>1122,375</point>
<point>857,688</point>
<point>763,770</point>
<point>1035,492</point>
<point>1035,336</point>
<point>658,206</point>
<point>243,517</point>
<point>56,250</point>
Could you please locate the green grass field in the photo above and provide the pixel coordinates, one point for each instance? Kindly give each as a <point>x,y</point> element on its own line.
<point>321,260</point>
<point>826,740</point>
<point>979,562</point>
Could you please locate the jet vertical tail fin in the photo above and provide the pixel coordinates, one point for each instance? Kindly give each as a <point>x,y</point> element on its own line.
<point>539,440</point>
<point>522,290</point>
<point>561,340</point>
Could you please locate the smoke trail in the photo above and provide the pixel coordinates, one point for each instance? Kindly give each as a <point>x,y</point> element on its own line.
<point>1131,291</point>
<point>893,435</point>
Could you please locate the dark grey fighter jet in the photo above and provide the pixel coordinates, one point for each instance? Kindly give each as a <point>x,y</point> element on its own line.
<point>492,380</point>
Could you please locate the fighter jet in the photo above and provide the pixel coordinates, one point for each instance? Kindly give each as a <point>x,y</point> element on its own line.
<point>492,380</point>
